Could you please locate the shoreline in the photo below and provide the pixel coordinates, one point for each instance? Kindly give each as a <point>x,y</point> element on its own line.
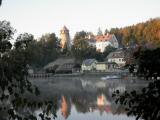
<point>48,75</point>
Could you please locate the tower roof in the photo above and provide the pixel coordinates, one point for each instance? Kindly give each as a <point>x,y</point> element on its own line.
<point>64,28</point>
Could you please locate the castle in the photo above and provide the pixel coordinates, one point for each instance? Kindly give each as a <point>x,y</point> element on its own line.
<point>65,38</point>
<point>99,42</point>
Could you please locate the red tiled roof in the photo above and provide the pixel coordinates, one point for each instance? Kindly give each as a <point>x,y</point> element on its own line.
<point>103,38</point>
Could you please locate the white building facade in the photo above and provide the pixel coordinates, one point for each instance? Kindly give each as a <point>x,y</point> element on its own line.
<point>101,45</point>
<point>89,65</point>
<point>102,41</point>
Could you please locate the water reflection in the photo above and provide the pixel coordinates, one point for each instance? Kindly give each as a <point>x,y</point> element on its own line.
<point>65,107</point>
<point>87,98</point>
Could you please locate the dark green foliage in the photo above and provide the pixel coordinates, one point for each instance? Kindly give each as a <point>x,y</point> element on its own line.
<point>23,41</point>
<point>44,51</point>
<point>131,68</point>
<point>144,104</point>
<point>108,50</point>
<point>14,84</point>
<point>81,49</point>
<point>80,35</point>
<point>149,62</point>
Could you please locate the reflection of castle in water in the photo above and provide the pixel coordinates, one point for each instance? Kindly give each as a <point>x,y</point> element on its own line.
<point>102,101</point>
<point>65,107</point>
<point>103,104</point>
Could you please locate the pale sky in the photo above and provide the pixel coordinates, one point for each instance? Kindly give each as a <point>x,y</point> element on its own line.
<point>46,16</point>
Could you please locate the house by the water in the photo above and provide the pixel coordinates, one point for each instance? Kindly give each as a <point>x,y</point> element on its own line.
<point>63,65</point>
<point>118,57</point>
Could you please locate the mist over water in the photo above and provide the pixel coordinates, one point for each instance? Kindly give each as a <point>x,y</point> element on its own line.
<point>88,98</point>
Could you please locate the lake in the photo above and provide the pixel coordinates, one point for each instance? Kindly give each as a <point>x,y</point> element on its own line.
<point>86,98</point>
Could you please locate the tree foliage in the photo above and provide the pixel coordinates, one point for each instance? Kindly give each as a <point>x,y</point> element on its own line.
<point>14,83</point>
<point>99,31</point>
<point>144,104</point>
<point>149,62</point>
<point>108,50</point>
<point>82,50</point>
<point>44,51</point>
<point>146,34</point>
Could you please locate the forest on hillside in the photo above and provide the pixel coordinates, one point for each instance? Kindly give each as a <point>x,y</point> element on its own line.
<point>146,34</point>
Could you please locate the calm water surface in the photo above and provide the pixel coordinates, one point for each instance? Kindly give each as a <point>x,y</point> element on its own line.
<point>86,98</point>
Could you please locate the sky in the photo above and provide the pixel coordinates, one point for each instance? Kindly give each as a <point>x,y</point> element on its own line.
<point>47,16</point>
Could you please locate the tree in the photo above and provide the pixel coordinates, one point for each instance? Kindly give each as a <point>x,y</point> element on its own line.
<point>99,31</point>
<point>23,41</point>
<point>144,104</point>
<point>44,51</point>
<point>14,81</point>
<point>149,62</point>
<point>106,31</point>
<point>80,35</point>
<point>81,48</point>
<point>146,34</point>
<point>6,33</point>
<point>108,50</point>
<point>50,48</point>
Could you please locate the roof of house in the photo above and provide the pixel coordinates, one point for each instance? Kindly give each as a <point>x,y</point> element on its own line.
<point>60,61</point>
<point>116,54</point>
<point>106,62</point>
<point>103,38</point>
<point>66,67</point>
<point>88,62</point>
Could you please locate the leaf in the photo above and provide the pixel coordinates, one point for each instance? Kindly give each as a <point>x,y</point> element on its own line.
<point>37,92</point>
<point>10,90</point>
<point>116,101</point>
<point>117,91</point>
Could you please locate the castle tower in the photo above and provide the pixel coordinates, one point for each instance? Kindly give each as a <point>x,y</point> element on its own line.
<point>65,38</point>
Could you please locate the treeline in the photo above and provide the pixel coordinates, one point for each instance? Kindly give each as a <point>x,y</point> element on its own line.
<point>39,52</point>
<point>146,34</point>
<point>44,50</point>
